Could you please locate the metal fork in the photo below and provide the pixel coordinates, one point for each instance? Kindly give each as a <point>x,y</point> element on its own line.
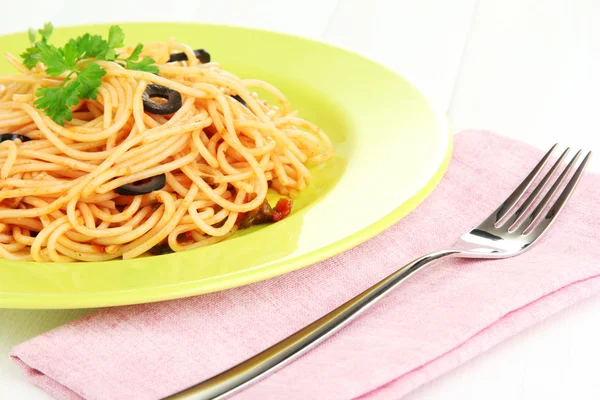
<point>502,234</point>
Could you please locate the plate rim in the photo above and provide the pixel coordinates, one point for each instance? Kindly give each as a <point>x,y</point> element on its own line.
<point>252,275</point>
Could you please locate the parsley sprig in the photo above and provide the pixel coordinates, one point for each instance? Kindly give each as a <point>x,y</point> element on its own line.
<point>76,59</point>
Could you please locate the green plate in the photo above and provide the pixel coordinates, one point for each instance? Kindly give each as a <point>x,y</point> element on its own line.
<point>391,149</point>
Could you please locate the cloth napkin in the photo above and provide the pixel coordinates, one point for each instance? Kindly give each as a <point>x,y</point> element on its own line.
<point>437,320</point>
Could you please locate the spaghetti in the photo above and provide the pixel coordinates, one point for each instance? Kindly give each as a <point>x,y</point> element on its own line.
<point>118,181</point>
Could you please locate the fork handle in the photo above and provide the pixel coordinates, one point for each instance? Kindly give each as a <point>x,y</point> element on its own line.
<point>287,350</point>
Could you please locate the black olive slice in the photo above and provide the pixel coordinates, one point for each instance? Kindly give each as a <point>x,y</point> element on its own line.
<point>143,187</point>
<point>160,249</point>
<point>173,98</point>
<point>238,98</point>
<point>262,215</point>
<point>178,57</point>
<point>13,136</point>
<point>200,54</point>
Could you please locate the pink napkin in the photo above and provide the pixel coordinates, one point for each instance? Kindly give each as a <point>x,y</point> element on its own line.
<point>438,320</point>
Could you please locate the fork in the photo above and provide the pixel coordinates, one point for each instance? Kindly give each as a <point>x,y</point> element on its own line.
<point>502,234</point>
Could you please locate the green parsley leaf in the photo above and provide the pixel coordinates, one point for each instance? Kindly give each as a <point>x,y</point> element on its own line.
<point>90,79</point>
<point>57,101</point>
<point>32,35</point>
<point>134,63</point>
<point>89,46</point>
<point>76,58</point>
<point>46,31</point>
<point>116,37</point>
<point>136,52</point>
<point>53,59</point>
<point>70,55</point>
<point>31,57</point>
<point>147,64</point>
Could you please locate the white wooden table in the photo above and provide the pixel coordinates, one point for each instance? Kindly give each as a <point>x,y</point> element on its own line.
<point>528,69</point>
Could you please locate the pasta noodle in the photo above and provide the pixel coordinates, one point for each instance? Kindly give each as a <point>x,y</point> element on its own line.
<point>61,191</point>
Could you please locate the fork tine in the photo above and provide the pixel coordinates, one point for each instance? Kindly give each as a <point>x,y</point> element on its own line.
<point>515,196</point>
<point>536,192</point>
<point>550,216</point>
<point>546,200</point>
